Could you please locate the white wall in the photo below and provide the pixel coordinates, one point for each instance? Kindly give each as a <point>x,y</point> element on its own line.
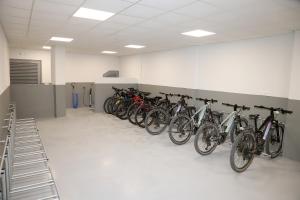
<point>88,68</point>
<point>170,68</point>
<point>130,66</point>
<point>79,67</point>
<point>295,71</point>
<point>256,66</point>
<point>4,62</point>
<point>43,55</point>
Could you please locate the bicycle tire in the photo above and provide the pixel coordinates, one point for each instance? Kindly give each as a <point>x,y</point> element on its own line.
<point>200,134</point>
<point>131,112</point>
<point>246,136</point>
<point>138,122</point>
<point>172,133</point>
<point>157,112</point>
<point>269,140</point>
<point>105,104</point>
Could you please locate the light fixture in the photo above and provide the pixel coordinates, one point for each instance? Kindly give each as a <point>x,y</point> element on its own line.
<point>109,52</point>
<point>198,33</point>
<point>88,13</point>
<point>134,46</point>
<point>46,47</point>
<point>61,39</point>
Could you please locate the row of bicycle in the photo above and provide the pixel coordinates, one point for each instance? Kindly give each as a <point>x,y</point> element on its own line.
<point>209,126</point>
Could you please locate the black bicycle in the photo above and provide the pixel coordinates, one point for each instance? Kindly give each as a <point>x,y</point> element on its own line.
<point>144,108</point>
<point>110,101</point>
<point>124,103</point>
<point>159,118</point>
<point>182,127</point>
<point>267,137</point>
<point>210,135</point>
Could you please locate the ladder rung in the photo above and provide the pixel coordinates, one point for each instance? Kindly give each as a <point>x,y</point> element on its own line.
<point>33,173</point>
<point>18,164</point>
<point>28,141</point>
<point>19,155</point>
<point>32,186</point>
<point>27,136</point>
<point>53,197</point>
<point>29,146</point>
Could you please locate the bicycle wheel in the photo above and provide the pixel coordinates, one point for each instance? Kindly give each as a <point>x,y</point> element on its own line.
<point>157,121</point>
<point>181,129</point>
<point>140,115</point>
<point>106,103</point>
<point>114,105</point>
<point>242,123</point>
<point>242,151</point>
<point>206,138</point>
<point>122,111</point>
<point>130,113</point>
<point>110,105</point>
<point>274,141</point>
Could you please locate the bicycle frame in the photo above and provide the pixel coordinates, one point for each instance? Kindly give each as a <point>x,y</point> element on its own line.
<point>266,125</point>
<point>180,104</point>
<point>228,122</point>
<point>201,112</point>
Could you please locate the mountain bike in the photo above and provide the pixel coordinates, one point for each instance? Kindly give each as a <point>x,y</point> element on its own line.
<point>268,138</point>
<point>137,101</point>
<point>107,106</point>
<point>159,118</point>
<point>210,135</point>
<point>182,127</point>
<point>126,101</point>
<point>144,108</point>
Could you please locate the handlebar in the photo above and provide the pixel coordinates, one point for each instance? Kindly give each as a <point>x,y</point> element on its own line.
<point>283,111</point>
<point>207,100</point>
<point>235,106</point>
<point>186,96</point>
<point>177,95</point>
<point>117,89</point>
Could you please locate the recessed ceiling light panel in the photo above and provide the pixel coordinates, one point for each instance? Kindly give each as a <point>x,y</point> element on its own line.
<point>109,52</point>
<point>134,46</point>
<point>46,47</point>
<point>88,13</point>
<point>61,39</point>
<point>198,33</point>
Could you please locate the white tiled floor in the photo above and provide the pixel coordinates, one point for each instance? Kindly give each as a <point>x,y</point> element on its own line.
<point>96,156</point>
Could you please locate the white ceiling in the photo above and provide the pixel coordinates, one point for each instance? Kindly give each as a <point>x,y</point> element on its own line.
<point>157,24</point>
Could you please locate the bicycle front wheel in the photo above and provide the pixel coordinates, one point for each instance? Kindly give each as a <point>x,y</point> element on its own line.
<point>181,129</point>
<point>106,105</point>
<point>242,151</point>
<point>157,121</point>
<point>274,141</point>
<point>122,110</point>
<point>206,139</point>
<point>131,113</point>
<point>140,115</point>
